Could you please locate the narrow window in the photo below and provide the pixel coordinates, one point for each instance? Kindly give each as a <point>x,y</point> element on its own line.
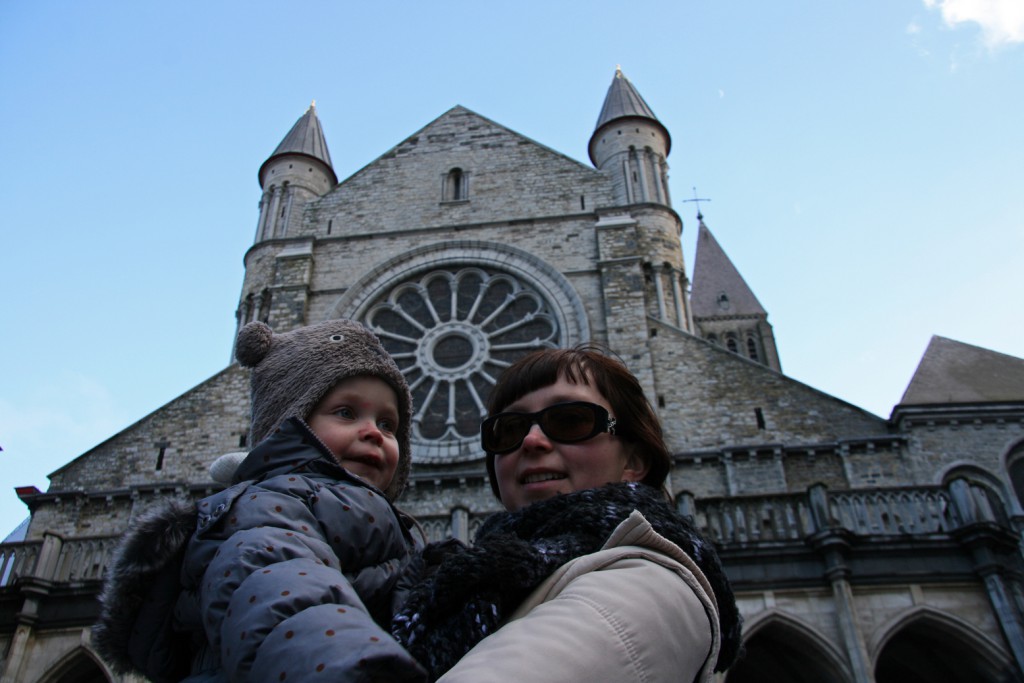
<point>661,401</point>
<point>583,203</point>
<point>759,416</point>
<point>730,343</point>
<point>456,186</point>
<point>329,224</point>
<point>160,454</point>
<point>241,440</point>
<point>264,306</point>
<point>751,348</point>
<point>1016,470</point>
<point>456,181</point>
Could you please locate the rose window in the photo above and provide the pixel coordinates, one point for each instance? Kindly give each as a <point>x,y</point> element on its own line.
<point>452,332</point>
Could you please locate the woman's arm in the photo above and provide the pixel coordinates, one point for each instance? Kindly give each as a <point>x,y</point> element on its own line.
<point>632,619</point>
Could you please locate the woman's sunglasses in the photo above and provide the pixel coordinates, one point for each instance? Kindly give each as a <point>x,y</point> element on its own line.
<point>562,422</point>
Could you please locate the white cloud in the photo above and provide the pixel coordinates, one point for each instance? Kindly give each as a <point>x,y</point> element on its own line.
<point>1001,21</point>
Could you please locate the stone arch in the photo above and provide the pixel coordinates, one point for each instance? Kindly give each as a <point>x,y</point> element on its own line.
<point>923,644</point>
<point>453,315</point>
<point>78,666</point>
<point>1013,465</point>
<point>783,649</point>
<point>985,484</point>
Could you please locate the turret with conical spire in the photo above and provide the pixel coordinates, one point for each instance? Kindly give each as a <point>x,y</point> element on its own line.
<point>298,170</point>
<point>725,310</point>
<point>279,265</point>
<point>631,143</point>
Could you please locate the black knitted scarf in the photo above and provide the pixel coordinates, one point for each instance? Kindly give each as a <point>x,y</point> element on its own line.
<point>464,594</point>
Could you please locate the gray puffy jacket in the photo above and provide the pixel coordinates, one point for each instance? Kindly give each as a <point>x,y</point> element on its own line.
<point>287,577</point>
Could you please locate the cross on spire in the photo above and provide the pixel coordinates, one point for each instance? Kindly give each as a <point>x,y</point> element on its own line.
<point>697,200</point>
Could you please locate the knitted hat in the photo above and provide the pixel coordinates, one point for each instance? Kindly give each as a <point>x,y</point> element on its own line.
<point>292,371</point>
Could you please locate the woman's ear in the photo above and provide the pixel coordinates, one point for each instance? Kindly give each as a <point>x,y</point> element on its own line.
<point>636,466</point>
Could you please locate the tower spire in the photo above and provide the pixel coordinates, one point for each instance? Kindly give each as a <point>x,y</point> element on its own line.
<point>306,138</point>
<point>623,101</point>
<point>631,144</point>
<point>298,171</point>
<point>725,309</point>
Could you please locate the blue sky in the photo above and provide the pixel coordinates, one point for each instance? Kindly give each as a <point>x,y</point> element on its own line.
<point>864,160</point>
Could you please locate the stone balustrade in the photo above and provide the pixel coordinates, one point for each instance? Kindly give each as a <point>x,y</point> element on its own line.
<point>759,519</point>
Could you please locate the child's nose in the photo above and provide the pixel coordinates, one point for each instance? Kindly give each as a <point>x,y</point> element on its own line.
<point>371,432</point>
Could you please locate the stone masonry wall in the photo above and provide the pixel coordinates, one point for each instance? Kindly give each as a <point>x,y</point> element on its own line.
<point>509,177</point>
<point>710,398</point>
<point>192,430</point>
<point>938,446</point>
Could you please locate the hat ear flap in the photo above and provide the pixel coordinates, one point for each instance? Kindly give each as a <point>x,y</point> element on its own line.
<point>253,343</point>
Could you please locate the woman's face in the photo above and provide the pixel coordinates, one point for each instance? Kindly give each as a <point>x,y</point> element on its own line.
<point>541,468</point>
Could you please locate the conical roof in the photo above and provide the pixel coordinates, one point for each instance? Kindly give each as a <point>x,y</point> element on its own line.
<point>718,288</point>
<point>623,101</point>
<point>954,372</point>
<point>306,138</point>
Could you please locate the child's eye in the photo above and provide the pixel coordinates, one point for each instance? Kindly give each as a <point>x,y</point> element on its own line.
<point>345,412</point>
<point>386,425</point>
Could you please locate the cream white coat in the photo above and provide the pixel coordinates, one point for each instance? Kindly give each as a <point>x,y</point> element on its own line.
<point>639,609</point>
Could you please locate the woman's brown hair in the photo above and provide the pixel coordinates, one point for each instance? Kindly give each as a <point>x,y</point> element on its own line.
<point>636,422</point>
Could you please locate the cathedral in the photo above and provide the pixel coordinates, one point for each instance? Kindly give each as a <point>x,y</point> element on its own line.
<point>861,549</point>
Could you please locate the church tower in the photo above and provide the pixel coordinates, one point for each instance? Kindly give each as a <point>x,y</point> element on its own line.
<point>631,144</point>
<point>725,310</point>
<point>860,547</point>
<point>299,170</point>
<point>279,265</point>
<point>640,254</point>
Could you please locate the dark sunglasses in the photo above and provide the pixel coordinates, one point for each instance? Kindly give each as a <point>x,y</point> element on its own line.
<point>562,422</point>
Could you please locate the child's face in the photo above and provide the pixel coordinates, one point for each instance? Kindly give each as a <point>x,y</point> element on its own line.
<point>357,421</point>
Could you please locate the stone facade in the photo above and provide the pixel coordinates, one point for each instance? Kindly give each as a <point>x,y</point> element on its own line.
<point>856,544</point>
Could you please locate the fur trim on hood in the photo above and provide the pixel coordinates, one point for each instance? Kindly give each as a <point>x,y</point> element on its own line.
<point>134,632</point>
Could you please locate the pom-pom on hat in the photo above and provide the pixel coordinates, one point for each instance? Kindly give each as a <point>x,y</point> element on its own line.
<point>293,370</point>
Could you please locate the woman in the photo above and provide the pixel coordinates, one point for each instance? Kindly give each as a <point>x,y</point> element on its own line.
<point>591,575</point>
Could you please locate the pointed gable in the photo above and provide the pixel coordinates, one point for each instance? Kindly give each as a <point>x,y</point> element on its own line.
<point>504,176</point>
<point>715,277</point>
<point>954,372</point>
<point>306,138</point>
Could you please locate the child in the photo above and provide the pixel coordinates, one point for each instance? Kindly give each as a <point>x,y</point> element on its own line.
<point>289,572</point>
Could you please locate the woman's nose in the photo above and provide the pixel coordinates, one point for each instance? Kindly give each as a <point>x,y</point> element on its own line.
<point>536,438</point>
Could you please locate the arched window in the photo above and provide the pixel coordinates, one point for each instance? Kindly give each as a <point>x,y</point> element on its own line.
<point>932,647</point>
<point>784,650</point>
<point>453,316</point>
<point>453,331</point>
<point>455,186</point>
<point>752,348</point>
<point>731,344</point>
<point>79,666</point>
<point>263,305</point>
<point>1015,468</point>
<point>985,493</point>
